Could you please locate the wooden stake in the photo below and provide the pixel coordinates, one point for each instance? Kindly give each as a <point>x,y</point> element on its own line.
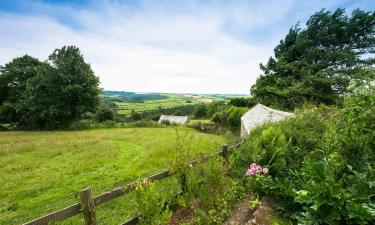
<point>225,153</point>
<point>88,207</point>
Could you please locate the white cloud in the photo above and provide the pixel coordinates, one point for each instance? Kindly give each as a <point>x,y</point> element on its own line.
<point>172,47</point>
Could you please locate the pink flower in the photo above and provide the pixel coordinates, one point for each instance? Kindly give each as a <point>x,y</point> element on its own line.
<point>256,169</point>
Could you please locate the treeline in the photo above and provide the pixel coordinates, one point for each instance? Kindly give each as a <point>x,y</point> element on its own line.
<point>123,96</point>
<point>47,95</point>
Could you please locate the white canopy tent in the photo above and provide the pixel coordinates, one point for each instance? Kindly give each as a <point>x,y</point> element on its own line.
<point>260,114</point>
<point>173,119</point>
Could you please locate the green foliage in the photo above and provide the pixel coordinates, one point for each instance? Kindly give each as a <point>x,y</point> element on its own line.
<point>315,64</point>
<point>254,203</point>
<point>234,115</point>
<point>283,145</point>
<point>211,193</point>
<point>14,103</point>
<point>214,107</point>
<point>200,111</point>
<point>321,162</point>
<point>123,96</point>
<point>229,117</point>
<point>151,204</point>
<point>48,95</point>
<point>242,102</point>
<point>178,113</point>
<point>104,114</point>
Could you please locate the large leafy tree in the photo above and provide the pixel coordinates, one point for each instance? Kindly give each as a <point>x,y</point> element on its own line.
<point>316,64</point>
<point>60,91</point>
<point>13,83</point>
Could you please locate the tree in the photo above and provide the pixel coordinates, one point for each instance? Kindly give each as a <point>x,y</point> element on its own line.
<point>317,63</point>
<point>13,83</point>
<point>53,94</point>
<point>104,114</point>
<point>178,113</point>
<point>200,111</point>
<point>242,102</point>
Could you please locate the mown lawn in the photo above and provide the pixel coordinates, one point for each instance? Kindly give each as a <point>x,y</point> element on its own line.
<point>43,171</point>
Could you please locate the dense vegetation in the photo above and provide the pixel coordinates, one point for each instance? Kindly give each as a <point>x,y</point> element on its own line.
<point>315,64</point>
<point>47,95</point>
<point>321,163</point>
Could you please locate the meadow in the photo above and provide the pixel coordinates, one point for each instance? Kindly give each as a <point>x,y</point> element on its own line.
<point>44,171</point>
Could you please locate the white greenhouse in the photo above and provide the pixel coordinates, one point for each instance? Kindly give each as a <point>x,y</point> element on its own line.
<point>258,115</point>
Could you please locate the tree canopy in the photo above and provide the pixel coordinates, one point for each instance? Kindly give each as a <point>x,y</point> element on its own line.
<point>316,63</point>
<point>47,95</point>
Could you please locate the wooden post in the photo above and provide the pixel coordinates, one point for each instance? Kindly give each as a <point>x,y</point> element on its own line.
<point>183,183</point>
<point>88,207</point>
<point>225,153</point>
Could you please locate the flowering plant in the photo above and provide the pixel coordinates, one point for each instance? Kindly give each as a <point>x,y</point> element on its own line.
<point>256,169</point>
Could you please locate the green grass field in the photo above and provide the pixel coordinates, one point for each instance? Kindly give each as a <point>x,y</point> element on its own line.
<point>43,171</point>
<point>173,100</point>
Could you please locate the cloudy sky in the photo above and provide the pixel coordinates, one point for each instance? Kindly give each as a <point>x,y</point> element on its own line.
<point>160,46</point>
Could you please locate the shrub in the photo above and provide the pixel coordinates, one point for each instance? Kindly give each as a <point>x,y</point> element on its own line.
<point>200,111</point>
<point>104,114</point>
<point>321,162</point>
<point>234,116</point>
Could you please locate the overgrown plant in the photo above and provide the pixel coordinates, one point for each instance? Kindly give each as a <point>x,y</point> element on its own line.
<point>211,193</point>
<point>181,160</point>
<point>325,172</point>
<point>153,207</point>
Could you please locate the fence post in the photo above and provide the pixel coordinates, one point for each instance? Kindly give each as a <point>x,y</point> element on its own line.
<point>225,153</point>
<point>183,183</point>
<point>88,206</point>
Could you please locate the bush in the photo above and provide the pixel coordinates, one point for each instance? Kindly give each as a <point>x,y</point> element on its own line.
<point>104,114</point>
<point>200,111</point>
<point>83,124</point>
<point>242,102</point>
<point>321,162</point>
<point>234,115</point>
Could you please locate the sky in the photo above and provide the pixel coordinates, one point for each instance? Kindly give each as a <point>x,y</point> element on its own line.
<point>160,46</point>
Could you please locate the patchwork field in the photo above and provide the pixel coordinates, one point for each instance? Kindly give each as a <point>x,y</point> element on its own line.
<point>128,101</point>
<point>172,101</point>
<point>43,171</point>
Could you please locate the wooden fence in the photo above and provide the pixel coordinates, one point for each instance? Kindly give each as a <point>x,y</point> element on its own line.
<point>88,203</point>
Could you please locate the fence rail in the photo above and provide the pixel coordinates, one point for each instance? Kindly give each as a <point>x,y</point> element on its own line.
<point>88,203</point>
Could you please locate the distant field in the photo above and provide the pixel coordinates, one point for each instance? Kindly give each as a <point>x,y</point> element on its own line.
<point>126,106</point>
<point>42,171</point>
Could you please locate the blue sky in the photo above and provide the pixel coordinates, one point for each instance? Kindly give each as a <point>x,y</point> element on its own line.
<point>160,46</point>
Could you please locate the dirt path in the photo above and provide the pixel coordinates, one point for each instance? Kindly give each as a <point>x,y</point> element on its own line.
<point>242,213</point>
